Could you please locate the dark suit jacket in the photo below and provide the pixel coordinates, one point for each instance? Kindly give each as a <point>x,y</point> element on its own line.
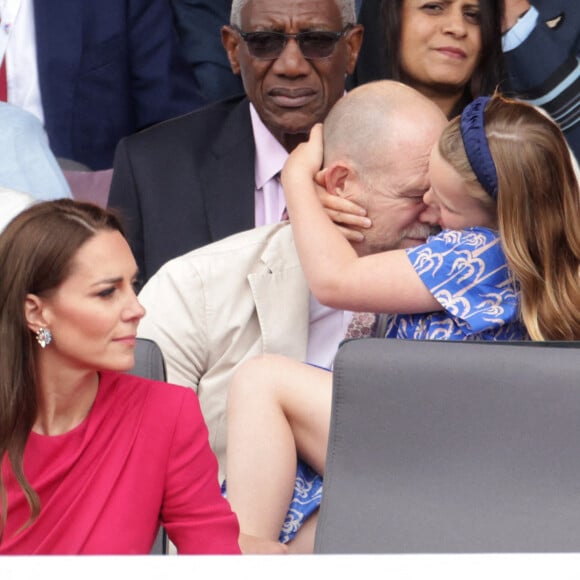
<point>186,182</point>
<point>545,68</point>
<point>106,69</point>
<point>199,24</point>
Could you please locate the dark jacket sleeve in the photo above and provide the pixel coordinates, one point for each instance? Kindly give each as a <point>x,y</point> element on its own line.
<point>185,182</point>
<point>107,69</point>
<point>123,196</point>
<point>545,69</point>
<point>199,24</point>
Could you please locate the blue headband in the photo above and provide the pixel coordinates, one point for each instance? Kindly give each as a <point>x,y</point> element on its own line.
<point>476,146</point>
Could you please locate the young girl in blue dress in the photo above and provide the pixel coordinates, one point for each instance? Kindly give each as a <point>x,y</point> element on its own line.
<point>506,265</point>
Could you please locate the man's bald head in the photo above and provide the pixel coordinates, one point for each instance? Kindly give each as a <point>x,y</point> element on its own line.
<point>370,124</point>
<point>377,143</point>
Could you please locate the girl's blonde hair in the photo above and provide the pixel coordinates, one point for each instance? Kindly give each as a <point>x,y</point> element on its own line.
<point>538,211</point>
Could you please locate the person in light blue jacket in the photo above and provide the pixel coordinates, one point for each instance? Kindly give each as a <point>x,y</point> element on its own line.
<point>27,163</point>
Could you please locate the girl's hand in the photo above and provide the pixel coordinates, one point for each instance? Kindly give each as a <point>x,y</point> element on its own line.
<point>304,163</point>
<point>348,217</point>
<point>302,176</point>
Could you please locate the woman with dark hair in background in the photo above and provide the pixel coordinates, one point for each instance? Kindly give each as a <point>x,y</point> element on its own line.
<point>550,28</point>
<point>449,51</point>
<point>92,460</point>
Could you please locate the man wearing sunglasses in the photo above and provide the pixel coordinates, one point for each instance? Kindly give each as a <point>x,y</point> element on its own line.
<point>201,177</point>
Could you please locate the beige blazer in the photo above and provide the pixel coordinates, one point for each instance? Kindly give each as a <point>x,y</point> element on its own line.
<point>219,305</point>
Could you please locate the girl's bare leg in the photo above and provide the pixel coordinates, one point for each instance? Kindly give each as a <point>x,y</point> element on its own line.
<point>303,542</point>
<point>277,407</point>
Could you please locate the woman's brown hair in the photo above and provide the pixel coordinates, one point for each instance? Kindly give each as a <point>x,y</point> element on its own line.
<point>36,252</point>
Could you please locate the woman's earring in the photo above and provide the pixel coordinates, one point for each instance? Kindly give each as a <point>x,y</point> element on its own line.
<point>43,337</point>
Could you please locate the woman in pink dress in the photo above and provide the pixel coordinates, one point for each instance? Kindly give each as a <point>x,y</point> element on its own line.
<point>93,461</point>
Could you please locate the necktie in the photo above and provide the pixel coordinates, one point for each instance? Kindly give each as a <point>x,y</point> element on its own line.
<point>3,83</point>
<point>284,215</point>
<point>362,325</point>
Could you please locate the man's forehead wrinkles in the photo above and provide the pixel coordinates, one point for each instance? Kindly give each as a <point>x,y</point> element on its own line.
<point>300,25</point>
<point>291,16</point>
<point>291,25</point>
<point>412,181</point>
<point>411,164</point>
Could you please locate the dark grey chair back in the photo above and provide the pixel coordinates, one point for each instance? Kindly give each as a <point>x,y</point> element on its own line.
<point>453,447</point>
<point>149,361</point>
<point>149,364</point>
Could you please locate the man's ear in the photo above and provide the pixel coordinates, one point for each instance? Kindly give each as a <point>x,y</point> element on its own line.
<point>336,178</point>
<point>354,38</point>
<point>231,43</point>
<point>34,312</point>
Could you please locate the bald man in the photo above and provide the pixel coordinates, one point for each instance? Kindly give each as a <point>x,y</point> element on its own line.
<point>213,308</point>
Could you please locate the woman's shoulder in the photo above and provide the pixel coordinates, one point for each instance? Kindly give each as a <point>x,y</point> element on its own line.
<point>130,390</point>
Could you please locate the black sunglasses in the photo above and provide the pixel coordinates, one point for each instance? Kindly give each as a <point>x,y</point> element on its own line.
<point>269,45</point>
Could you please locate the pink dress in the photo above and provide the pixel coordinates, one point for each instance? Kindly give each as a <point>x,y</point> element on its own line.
<point>141,458</point>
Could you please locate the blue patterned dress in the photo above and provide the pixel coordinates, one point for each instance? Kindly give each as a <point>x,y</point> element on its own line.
<point>467,273</point>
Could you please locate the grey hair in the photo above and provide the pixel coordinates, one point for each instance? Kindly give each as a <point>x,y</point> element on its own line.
<point>346,8</point>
